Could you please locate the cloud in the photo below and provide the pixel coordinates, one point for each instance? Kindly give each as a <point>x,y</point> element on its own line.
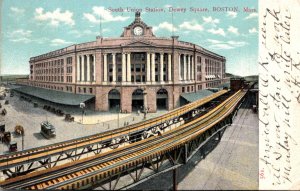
<point>105,15</point>
<point>20,35</point>
<point>106,30</point>
<point>221,47</point>
<point>213,41</point>
<point>253,30</point>
<point>58,42</point>
<point>225,45</point>
<point>186,32</point>
<point>191,25</point>
<point>231,14</point>
<point>165,25</point>
<point>233,30</point>
<point>41,40</point>
<point>24,36</point>
<point>218,31</point>
<point>237,43</point>
<point>91,18</point>
<point>251,15</point>
<point>54,18</point>
<point>17,11</point>
<point>210,20</point>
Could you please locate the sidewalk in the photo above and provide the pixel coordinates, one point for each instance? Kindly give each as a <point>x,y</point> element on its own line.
<point>112,118</point>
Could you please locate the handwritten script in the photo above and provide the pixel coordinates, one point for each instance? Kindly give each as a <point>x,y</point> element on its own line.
<point>279,97</point>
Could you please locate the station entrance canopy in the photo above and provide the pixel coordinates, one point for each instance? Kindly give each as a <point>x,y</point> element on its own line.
<point>54,96</point>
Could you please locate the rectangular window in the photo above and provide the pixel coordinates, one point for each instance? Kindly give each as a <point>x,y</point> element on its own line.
<point>91,90</point>
<point>119,78</point>
<point>182,89</point>
<point>109,58</point>
<point>143,57</point>
<point>118,58</point>
<point>69,60</point>
<point>138,68</point>
<point>198,68</point>
<point>110,68</point>
<point>119,68</point>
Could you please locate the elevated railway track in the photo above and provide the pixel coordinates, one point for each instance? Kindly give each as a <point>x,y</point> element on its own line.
<point>22,162</point>
<point>156,153</point>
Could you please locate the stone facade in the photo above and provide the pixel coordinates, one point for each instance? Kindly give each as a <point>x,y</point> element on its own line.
<point>133,71</point>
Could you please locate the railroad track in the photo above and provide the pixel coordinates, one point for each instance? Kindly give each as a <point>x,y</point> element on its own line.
<point>35,153</point>
<point>80,173</point>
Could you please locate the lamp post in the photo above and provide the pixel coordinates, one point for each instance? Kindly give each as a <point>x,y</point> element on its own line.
<point>22,140</point>
<point>145,105</point>
<point>118,110</point>
<point>82,106</point>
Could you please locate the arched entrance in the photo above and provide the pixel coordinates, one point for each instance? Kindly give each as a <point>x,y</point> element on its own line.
<point>162,99</point>
<point>114,99</point>
<point>137,100</point>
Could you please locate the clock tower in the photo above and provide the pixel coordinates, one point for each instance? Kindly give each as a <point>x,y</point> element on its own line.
<point>137,28</point>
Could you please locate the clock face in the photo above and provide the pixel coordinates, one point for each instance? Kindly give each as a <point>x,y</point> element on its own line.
<point>138,31</point>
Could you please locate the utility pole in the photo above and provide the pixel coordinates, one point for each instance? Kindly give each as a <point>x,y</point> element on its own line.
<point>23,141</point>
<point>118,110</point>
<point>175,179</point>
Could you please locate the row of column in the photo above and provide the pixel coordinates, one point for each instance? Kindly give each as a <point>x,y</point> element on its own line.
<point>188,67</point>
<point>84,69</point>
<point>126,67</point>
<point>150,65</point>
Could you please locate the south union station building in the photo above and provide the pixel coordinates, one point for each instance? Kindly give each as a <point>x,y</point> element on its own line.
<point>133,71</point>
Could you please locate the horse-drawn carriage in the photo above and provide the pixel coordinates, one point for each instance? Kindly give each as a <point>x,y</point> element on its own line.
<point>69,118</point>
<point>3,112</point>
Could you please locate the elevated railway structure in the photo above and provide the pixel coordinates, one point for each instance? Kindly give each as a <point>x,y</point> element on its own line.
<point>23,162</point>
<point>138,160</point>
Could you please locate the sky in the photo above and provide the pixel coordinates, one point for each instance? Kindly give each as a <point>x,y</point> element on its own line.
<point>33,27</point>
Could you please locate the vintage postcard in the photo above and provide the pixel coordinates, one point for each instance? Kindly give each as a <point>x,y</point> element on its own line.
<point>149,95</point>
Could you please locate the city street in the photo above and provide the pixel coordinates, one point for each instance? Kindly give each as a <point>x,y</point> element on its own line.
<point>24,113</point>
